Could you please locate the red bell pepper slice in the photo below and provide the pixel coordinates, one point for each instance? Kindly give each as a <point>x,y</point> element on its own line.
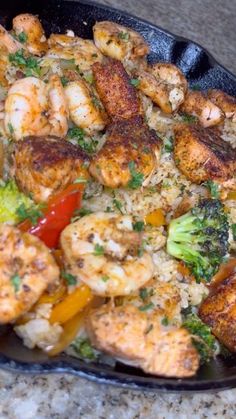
<point>57,215</point>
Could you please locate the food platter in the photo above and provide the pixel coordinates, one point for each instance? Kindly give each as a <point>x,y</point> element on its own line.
<point>200,69</point>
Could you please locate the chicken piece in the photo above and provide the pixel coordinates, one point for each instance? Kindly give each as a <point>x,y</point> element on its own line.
<point>9,42</point>
<point>165,84</point>
<point>201,154</point>
<point>225,102</point>
<point>44,166</point>
<point>197,104</point>
<point>218,310</point>
<point>131,153</point>
<point>33,107</point>
<point>66,47</point>
<point>102,250</point>
<point>113,85</point>
<point>85,109</point>
<point>141,340</point>
<point>30,25</point>
<point>119,42</point>
<point>27,269</point>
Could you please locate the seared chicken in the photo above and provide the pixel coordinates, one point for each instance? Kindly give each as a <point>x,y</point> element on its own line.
<point>46,165</point>
<point>225,102</point>
<point>119,42</point>
<point>201,154</point>
<point>113,85</point>
<point>139,339</point>
<point>218,310</point>
<point>27,269</point>
<point>131,147</point>
<point>197,104</point>
<point>165,84</point>
<point>30,25</point>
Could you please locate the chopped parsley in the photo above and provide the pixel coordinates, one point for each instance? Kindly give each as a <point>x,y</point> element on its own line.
<point>98,250</point>
<point>89,78</point>
<point>80,213</point>
<point>143,293</point>
<point>23,37</point>
<point>169,144</point>
<point>135,82</point>
<point>146,307</point>
<point>117,204</point>
<point>29,65</point>
<point>96,102</point>
<point>16,281</point>
<point>105,278</point>
<point>141,249</point>
<point>136,177</point>
<point>89,145</point>
<point>124,36</point>
<point>11,129</point>
<point>80,180</point>
<point>138,226</point>
<point>64,81</point>
<point>189,119</point>
<point>70,279</point>
<point>233,226</point>
<point>84,349</point>
<point>32,213</point>
<point>165,321</point>
<point>213,188</point>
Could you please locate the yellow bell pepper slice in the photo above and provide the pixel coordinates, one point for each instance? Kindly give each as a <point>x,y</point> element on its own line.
<point>156,218</point>
<point>232,195</point>
<point>70,331</point>
<point>71,305</point>
<point>53,298</point>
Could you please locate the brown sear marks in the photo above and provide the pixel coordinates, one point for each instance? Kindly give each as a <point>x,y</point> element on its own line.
<point>113,85</point>
<point>201,154</point>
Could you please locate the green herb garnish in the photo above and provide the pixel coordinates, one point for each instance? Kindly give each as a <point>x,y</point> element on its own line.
<point>169,144</point>
<point>89,78</point>
<point>98,250</point>
<point>10,127</point>
<point>189,119</point>
<point>84,349</point>
<point>138,226</point>
<point>64,81</point>
<point>117,204</point>
<point>233,226</point>
<point>70,279</point>
<point>23,37</point>
<point>143,293</point>
<point>16,281</point>
<point>147,307</point>
<point>213,188</point>
<point>105,278</point>
<point>136,177</point>
<point>29,65</point>
<point>89,145</point>
<point>135,82</point>
<point>32,213</point>
<point>165,321</point>
<point>124,36</point>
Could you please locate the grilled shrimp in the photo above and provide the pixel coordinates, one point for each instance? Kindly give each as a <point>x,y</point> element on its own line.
<point>139,339</point>
<point>66,47</point>
<point>165,84</point>
<point>85,109</point>
<point>197,104</point>
<point>27,269</point>
<point>44,166</point>
<point>131,147</point>
<point>225,102</point>
<point>30,25</point>
<point>8,41</point>
<point>201,154</point>
<point>119,42</point>
<point>33,107</point>
<point>103,251</point>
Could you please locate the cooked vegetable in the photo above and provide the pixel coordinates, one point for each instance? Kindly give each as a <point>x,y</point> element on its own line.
<point>84,349</point>
<point>29,65</point>
<point>207,343</point>
<point>11,200</point>
<point>155,218</point>
<point>200,238</point>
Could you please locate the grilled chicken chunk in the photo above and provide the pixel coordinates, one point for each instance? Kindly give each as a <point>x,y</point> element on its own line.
<point>131,335</point>
<point>201,154</point>
<point>113,85</point>
<point>218,310</point>
<point>225,102</point>
<point>47,165</point>
<point>27,269</point>
<point>131,147</point>
<point>197,104</point>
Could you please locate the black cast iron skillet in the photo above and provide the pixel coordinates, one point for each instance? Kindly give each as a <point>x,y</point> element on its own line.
<point>201,69</point>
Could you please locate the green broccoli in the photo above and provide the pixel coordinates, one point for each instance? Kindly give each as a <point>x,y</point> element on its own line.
<point>205,342</point>
<point>10,200</point>
<point>200,238</point>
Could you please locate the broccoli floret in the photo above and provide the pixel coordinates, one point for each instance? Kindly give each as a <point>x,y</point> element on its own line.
<point>200,238</point>
<point>205,342</point>
<point>10,200</point>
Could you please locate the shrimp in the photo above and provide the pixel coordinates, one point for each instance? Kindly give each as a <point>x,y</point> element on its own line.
<point>197,104</point>
<point>140,339</point>
<point>27,269</point>
<point>119,42</point>
<point>85,109</point>
<point>33,107</point>
<point>225,102</point>
<point>165,84</point>
<point>103,251</point>
<point>82,51</point>
<point>30,25</point>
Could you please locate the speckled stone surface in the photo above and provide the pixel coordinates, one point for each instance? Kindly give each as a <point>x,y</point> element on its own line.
<point>212,24</point>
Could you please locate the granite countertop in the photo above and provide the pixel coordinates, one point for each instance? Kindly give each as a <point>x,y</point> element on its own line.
<point>212,24</point>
